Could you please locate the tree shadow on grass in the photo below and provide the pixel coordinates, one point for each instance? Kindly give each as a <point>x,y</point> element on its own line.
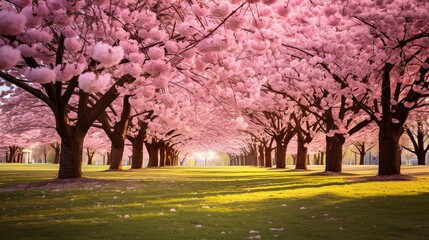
<point>320,216</point>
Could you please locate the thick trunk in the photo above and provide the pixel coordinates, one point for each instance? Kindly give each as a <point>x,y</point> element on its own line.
<point>301,157</point>
<point>280,155</point>
<point>152,149</point>
<point>261,155</point>
<point>255,155</point>
<point>388,142</point>
<point>116,154</point>
<point>421,157</point>
<point>268,162</point>
<point>168,157</point>
<point>71,156</point>
<point>334,153</point>
<point>137,160</point>
<point>361,158</point>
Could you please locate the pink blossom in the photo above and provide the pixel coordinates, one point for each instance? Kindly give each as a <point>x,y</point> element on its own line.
<point>107,55</point>
<point>66,71</point>
<point>220,10</point>
<point>136,57</point>
<point>160,82</point>
<point>26,50</point>
<point>22,3</point>
<point>40,75</point>
<point>235,22</point>
<point>129,46</point>
<point>91,83</point>
<point>34,35</point>
<point>32,19</point>
<point>171,46</point>
<point>72,44</point>
<point>155,67</point>
<point>11,24</point>
<point>148,92</point>
<point>185,29</point>
<point>9,57</point>
<point>199,11</point>
<point>156,53</point>
<point>156,34</point>
<point>61,18</point>
<point>283,10</point>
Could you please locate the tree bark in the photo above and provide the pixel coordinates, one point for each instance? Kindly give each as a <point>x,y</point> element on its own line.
<point>71,156</point>
<point>57,149</point>
<point>152,149</point>
<point>162,155</point>
<point>261,155</point>
<point>268,161</point>
<point>301,156</point>
<point>334,153</point>
<point>116,154</point>
<point>280,155</point>
<point>390,159</point>
<point>137,159</point>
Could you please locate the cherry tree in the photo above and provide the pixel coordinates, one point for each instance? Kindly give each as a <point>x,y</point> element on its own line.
<point>93,51</point>
<point>416,130</point>
<point>389,62</point>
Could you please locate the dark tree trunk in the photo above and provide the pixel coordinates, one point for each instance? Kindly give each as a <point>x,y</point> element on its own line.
<point>116,155</point>
<point>390,158</point>
<point>322,158</point>
<point>109,157</point>
<point>301,156</point>
<point>268,161</point>
<point>261,155</point>
<point>168,156</point>
<point>137,159</point>
<point>152,149</point>
<point>361,158</point>
<point>90,156</point>
<point>334,153</point>
<point>280,156</point>
<point>421,157</point>
<point>162,155</point>
<point>71,156</point>
<point>13,154</point>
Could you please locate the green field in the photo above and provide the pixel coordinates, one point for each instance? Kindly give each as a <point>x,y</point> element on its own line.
<point>212,203</point>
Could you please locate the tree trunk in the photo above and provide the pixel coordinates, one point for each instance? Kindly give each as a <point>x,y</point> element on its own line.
<point>109,157</point>
<point>261,155</point>
<point>421,157</point>
<point>137,160</point>
<point>280,155</point>
<point>162,155</point>
<point>71,156</point>
<point>362,158</point>
<point>388,142</point>
<point>152,149</point>
<point>116,154</point>
<point>268,162</point>
<point>89,155</point>
<point>301,156</point>
<point>334,153</point>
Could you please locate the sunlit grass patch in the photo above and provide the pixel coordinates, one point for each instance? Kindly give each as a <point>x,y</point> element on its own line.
<point>211,203</point>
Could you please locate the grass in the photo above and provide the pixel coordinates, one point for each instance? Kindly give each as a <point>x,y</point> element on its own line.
<point>212,203</point>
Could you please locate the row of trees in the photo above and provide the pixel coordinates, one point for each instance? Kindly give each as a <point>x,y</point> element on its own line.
<point>178,77</point>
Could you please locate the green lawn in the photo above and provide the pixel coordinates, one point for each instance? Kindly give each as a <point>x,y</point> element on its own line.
<point>212,203</point>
